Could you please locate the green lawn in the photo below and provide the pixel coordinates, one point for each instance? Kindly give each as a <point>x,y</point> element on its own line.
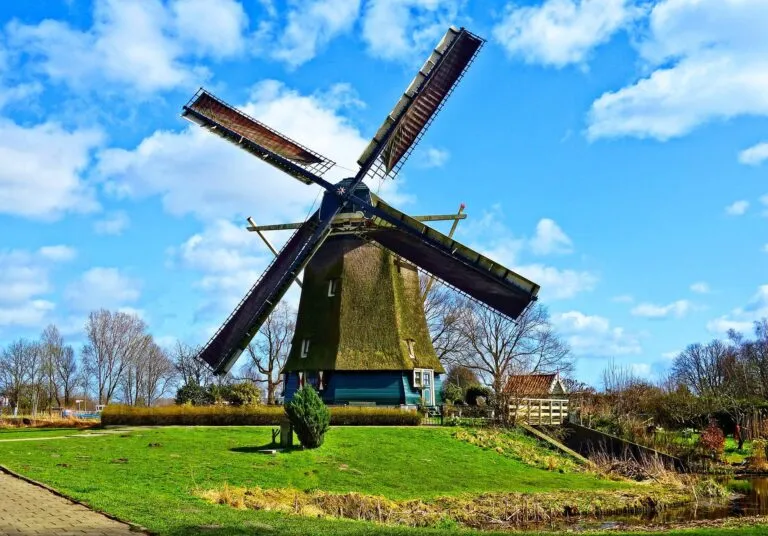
<point>155,486</point>
<point>31,433</point>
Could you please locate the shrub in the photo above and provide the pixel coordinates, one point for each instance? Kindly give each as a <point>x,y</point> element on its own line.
<point>194,394</point>
<point>757,460</point>
<point>477,391</point>
<point>247,416</point>
<point>712,440</point>
<point>244,394</point>
<point>452,393</point>
<point>309,417</point>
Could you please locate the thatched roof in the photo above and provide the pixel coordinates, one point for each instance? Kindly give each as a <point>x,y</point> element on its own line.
<point>366,325</point>
<point>534,385</point>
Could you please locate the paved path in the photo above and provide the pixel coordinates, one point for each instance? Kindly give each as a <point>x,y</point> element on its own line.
<point>31,510</point>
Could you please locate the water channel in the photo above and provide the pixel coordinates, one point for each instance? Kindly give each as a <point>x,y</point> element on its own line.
<point>750,498</point>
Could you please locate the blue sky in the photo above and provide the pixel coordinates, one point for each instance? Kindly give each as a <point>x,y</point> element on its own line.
<point>613,151</point>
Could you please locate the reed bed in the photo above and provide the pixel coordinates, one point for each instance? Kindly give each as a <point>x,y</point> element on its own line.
<point>481,511</point>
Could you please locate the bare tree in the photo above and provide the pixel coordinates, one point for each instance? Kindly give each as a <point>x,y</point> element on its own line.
<point>14,371</point>
<point>159,374</point>
<point>66,374</point>
<point>191,370</point>
<point>443,308</point>
<point>269,350</point>
<point>702,368</point>
<point>52,348</point>
<point>113,339</point>
<point>498,347</point>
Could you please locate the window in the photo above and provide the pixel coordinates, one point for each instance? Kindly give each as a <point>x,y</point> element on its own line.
<point>304,348</point>
<point>333,287</point>
<point>411,353</point>
<point>422,378</point>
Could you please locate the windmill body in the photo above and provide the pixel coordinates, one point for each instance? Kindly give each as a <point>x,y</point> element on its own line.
<point>361,335</point>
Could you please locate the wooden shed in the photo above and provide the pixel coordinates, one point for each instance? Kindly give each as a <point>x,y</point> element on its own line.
<point>539,399</point>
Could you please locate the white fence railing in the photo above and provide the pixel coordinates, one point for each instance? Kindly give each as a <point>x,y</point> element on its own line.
<point>540,411</point>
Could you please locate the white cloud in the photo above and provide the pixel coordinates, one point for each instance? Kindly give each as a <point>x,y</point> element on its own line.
<point>623,298</point>
<point>197,173</point>
<point>113,224</point>
<point>742,318</point>
<point>556,283</point>
<point>710,64</point>
<point>561,32</point>
<point>211,28</point>
<point>40,175</point>
<point>550,238</point>
<point>592,335</point>
<point>755,155</point>
<point>700,287</point>
<point>765,248</point>
<point>58,253</point>
<point>140,44</point>
<point>24,283</point>
<point>102,287</point>
<point>406,30</point>
<point>312,24</point>
<point>677,309</point>
<point>434,157</point>
<point>640,369</point>
<point>670,355</point>
<point>737,208</point>
<point>18,93</point>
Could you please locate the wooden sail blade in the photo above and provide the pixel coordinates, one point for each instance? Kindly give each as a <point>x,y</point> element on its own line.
<point>226,345</point>
<point>256,138</point>
<point>421,101</point>
<point>448,260</point>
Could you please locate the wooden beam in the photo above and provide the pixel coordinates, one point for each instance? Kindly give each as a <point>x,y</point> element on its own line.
<point>456,217</point>
<point>269,244</point>
<point>288,226</point>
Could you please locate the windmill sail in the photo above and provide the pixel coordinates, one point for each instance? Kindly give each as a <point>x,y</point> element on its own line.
<point>422,100</point>
<point>256,138</point>
<point>226,345</point>
<point>461,267</point>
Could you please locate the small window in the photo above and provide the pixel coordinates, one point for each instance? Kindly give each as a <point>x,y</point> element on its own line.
<point>417,378</point>
<point>305,348</point>
<point>333,287</point>
<point>411,353</point>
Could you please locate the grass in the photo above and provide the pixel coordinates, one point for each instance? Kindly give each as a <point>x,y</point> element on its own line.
<point>151,476</point>
<point>30,433</point>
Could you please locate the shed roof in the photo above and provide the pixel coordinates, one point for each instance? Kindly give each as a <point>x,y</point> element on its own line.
<point>533,384</point>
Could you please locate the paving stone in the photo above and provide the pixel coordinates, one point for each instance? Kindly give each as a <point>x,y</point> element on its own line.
<point>26,509</point>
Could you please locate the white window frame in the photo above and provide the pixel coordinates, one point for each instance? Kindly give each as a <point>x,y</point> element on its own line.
<point>410,343</point>
<point>421,371</point>
<point>333,287</point>
<point>304,348</point>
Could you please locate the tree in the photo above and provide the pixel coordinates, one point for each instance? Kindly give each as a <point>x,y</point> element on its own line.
<point>14,371</point>
<point>269,350</point>
<point>309,417</point>
<point>191,370</point>
<point>66,372</point>
<point>444,308</point>
<point>52,348</point>
<point>113,341</point>
<point>498,348</point>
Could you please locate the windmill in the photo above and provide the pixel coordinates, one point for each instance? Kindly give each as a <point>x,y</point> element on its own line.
<point>355,232</point>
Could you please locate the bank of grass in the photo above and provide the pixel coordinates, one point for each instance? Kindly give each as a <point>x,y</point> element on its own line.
<point>8,433</point>
<point>152,476</point>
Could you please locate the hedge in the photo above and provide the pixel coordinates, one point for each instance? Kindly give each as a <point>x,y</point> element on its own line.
<point>248,416</point>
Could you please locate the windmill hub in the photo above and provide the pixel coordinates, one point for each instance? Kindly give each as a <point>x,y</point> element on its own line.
<point>361,334</point>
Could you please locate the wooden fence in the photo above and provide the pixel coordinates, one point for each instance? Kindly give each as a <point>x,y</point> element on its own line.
<point>540,411</point>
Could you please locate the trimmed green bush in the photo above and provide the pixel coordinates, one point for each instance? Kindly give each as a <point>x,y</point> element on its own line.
<point>194,394</point>
<point>244,394</point>
<point>309,417</point>
<point>247,416</point>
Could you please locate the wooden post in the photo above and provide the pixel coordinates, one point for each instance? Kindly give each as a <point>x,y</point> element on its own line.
<point>540,409</point>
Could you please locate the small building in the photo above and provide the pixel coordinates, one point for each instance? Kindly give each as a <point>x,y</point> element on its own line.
<point>539,399</point>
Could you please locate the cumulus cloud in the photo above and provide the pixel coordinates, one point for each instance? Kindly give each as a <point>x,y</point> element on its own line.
<point>434,157</point>
<point>623,298</point>
<point>708,62</point>
<point>557,283</point>
<point>41,174</point>
<point>112,224</point>
<point>742,318</point>
<point>143,45</point>
<point>25,284</point>
<point>594,336</point>
<point>677,309</point>
<point>755,155</point>
<point>406,30</point>
<point>311,25</point>
<point>181,167</point>
<point>737,208</point>
<point>550,238</point>
<point>561,32</point>
<point>101,287</point>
